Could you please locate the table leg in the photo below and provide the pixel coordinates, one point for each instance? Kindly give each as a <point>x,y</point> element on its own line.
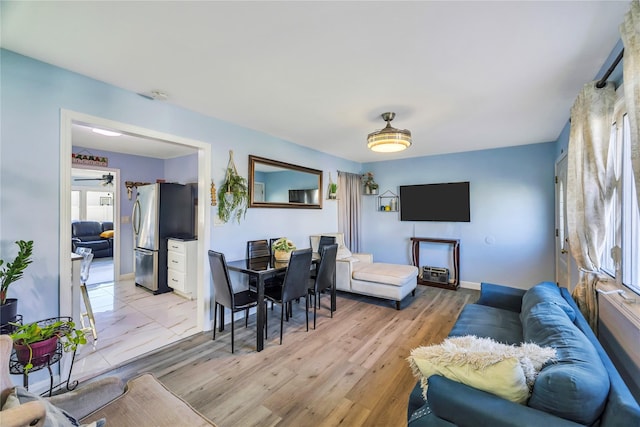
<point>261,314</point>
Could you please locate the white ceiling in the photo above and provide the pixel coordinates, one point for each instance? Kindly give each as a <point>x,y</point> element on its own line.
<point>460,75</point>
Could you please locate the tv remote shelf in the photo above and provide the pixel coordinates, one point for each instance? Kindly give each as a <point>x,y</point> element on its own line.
<point>454,282</point>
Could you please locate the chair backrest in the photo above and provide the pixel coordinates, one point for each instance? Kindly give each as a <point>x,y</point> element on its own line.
<point>258,249</point>
<point>85,264</point>
<point>325,241</point>
<point>272,241</point>
<point>223,293</point>
<point>296,279</point>
<point>326,275</point>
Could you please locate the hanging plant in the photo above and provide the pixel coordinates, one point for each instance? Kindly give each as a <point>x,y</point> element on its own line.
<point>233,195</point>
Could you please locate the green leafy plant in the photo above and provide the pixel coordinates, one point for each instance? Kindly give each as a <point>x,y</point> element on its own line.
<point>368,181</point>
<point>34,332</point>
<point>233,196</point>
<point>13,270</point>
<point>333,188</point>
<point>283,244</point>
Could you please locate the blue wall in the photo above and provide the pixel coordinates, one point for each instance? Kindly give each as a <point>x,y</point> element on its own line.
<point>510,238</point>
<point>33,94</point>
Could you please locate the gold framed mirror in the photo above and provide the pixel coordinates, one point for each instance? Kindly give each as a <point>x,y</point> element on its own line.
<point>276,184</point>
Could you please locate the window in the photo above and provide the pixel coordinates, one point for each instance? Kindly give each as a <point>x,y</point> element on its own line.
<point>89,205</point>
<point>623,238</point>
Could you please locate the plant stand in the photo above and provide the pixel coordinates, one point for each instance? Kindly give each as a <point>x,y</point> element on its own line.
<point>17,368</point>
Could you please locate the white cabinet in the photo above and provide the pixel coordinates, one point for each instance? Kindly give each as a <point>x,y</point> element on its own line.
<point>181,266</point>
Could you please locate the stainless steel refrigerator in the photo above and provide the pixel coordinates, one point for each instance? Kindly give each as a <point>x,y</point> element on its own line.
<point>161,211</point>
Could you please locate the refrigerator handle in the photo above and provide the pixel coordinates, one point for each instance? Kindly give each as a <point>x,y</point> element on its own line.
<point>135,217</point>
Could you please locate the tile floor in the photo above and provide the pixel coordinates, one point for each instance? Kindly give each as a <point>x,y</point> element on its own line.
<point>131,321</point>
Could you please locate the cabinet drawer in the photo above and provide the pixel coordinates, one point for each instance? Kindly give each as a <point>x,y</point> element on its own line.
<point>176,246</point>
<point>176,261</point>
<point>176,280</point>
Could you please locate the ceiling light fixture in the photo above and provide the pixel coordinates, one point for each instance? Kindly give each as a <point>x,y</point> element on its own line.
<point>105,132</point>
<point>389,139</point>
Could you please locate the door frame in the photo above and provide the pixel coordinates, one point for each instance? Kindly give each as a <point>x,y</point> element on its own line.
<point>67,119</point>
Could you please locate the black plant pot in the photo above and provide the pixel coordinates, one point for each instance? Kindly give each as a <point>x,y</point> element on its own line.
<point>8,313</point>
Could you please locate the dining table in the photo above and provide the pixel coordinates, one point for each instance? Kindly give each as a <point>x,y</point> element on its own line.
<point>263,268</point>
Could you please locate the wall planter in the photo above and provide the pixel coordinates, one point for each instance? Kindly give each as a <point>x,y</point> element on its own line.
<point>233,195</point>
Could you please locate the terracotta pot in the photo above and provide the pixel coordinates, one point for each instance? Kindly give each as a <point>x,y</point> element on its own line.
<point>282,255</point>
<point>40,352</point>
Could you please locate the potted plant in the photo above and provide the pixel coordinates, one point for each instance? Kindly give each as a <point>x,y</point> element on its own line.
<point>233,195</point>
<point>10,273</point>
<point>333,190</point>
<point>370,186</point>
<point>282,249</point>
<point>36,342</point>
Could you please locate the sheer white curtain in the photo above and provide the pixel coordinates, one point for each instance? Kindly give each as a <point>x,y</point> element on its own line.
<point>589,189</point>
<point>630,32</point>
<point>349,208</point>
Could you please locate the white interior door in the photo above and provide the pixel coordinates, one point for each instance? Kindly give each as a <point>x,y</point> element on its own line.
<point>563,257</point>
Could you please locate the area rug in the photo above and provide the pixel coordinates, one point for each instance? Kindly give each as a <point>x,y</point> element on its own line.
<point>147,402</point>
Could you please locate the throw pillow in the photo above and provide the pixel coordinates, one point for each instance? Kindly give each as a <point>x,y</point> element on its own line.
<point>107,234</point>
<point>55,417</point>
<point>504,370</point>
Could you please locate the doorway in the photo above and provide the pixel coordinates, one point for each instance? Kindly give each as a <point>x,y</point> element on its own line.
<point>203,150</point>
<point>94,197</point>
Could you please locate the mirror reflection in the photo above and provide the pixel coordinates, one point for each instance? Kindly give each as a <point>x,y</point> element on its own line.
<point>275,184</point>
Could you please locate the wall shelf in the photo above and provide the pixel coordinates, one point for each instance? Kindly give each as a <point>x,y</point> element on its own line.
<point>388,202</point>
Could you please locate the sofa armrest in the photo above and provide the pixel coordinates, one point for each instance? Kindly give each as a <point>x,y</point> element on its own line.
<point>467,406</point>
<point>27,414</point>
<point>90,397</point>
<point>343,274</point>
<point>363,257</point>
<point>500,296</point>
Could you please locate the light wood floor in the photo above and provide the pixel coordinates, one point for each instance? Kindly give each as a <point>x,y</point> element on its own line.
<point>350,371</point>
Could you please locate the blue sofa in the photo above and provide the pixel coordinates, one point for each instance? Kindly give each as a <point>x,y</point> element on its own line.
<point>86,234</point>
<point>581,388</point>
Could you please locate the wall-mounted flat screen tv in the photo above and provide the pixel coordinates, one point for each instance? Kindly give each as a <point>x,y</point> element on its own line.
<point>447,202</point>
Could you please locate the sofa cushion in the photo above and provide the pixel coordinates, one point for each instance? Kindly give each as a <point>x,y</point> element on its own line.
<point>379,272</point>
<point>502,325</point>
<point>86,230</point>
<point>576,386</point>
<point>343,251</point>
<point>504,370</point>
<point>107,234</point>
<point>547,292</point>
<point>54,416</point>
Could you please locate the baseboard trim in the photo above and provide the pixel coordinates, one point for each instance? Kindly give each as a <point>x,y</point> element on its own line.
<point>470,285</point>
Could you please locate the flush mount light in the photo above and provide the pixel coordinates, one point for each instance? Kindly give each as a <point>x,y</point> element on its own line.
<point>389,139</point>
<point>105,132</point>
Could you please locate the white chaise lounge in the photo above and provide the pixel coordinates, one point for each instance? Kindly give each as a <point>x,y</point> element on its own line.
<point>357,273</point>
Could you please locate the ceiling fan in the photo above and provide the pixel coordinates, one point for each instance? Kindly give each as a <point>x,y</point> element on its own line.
<point>108,179</point>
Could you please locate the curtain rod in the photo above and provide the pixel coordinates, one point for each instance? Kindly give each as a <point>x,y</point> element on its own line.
<point>603,81</point>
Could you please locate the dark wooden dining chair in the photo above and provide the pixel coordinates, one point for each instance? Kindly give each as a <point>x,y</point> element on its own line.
<point>225,296</point>
<point>325,277</point>
<point>325,241</point>
<point>258,252</point>
<point>295,285</point>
